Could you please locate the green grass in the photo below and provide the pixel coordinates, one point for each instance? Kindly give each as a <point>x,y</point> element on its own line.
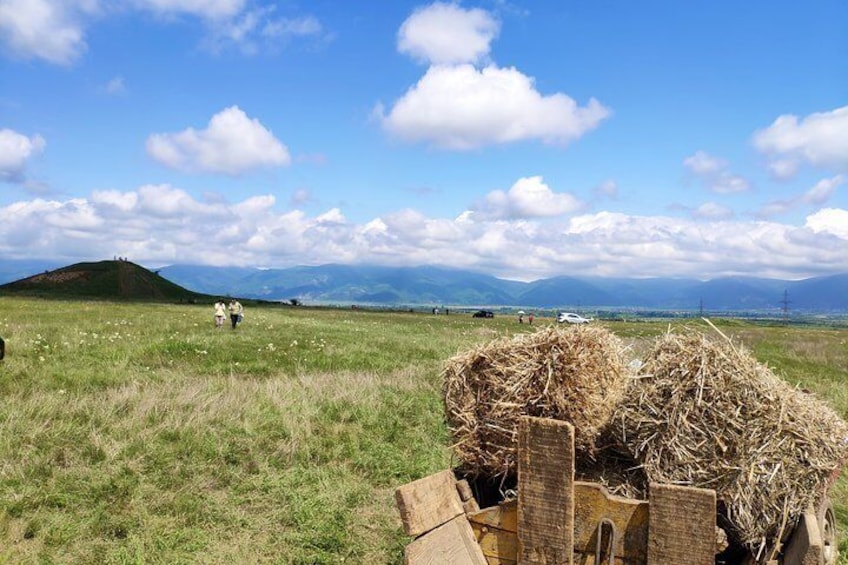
<point>137,433</point>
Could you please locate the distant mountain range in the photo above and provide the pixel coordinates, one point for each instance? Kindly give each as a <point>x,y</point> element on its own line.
<point>441,286</point>
<point>436,286</point>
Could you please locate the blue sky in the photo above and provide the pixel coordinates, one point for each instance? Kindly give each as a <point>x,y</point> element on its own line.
<point>520,139</point>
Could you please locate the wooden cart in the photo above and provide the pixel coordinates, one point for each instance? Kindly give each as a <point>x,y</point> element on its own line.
<point>557,520</point>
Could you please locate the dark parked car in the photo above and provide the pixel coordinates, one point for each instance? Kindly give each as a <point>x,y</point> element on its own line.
<point>484,314</point>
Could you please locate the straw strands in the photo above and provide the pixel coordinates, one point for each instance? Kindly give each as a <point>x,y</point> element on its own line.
<point>705,413</point>
<point>575,374</point>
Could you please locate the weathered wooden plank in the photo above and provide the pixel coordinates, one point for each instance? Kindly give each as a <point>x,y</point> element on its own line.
<point>545,492</point>
<point>470,506</point>
<point>452,543</point>
<point>499,546</point>
<point>629,517</point>
<point>504,516</point>
<point>496,527</point>
<point>428,503</point>
<point>496,530</point>
<point>805,545</point>
<point>681,526</point>
<point>464,490</point>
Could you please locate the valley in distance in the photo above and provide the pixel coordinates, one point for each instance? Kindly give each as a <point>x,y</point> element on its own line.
<point>427,287</point>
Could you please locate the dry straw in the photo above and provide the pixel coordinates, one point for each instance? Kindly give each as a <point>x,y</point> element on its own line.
<point>705,413</point>
<point>575,374</point>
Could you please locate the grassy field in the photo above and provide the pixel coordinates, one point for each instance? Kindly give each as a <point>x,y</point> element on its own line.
<point>137,433</point>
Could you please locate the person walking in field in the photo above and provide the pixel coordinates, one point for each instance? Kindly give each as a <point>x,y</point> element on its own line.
<point>220,314</point>
<point>236,312</point>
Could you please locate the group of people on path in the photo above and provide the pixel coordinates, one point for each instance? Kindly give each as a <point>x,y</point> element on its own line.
<point>235,309</point>
<point>521,318</point>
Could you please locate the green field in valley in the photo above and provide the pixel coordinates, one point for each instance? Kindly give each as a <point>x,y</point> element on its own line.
<point>138,433</point>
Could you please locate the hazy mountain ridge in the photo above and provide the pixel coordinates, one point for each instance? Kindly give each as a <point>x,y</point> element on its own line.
<point>436,286</point>
<point>443,286</point>
<point>381,285</point>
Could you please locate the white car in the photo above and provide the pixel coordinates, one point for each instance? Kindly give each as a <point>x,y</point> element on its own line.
<point>572,318</point>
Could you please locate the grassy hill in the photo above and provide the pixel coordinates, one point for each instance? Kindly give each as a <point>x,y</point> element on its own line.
<point>112,280</point>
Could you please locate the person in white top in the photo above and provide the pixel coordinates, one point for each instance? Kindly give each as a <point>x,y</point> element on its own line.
<point>220,314</point>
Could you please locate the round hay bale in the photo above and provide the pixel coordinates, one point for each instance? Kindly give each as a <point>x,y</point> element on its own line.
<point>576,374</point>
<point>705,413</point>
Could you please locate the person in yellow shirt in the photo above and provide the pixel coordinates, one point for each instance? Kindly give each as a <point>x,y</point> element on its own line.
<point>236,312</point>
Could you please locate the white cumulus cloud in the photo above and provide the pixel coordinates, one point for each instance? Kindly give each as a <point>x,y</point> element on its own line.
<point>702,163</point>
<point>445,33</point>
<point>15,151</point>
<point>529,197</point>
<point>712,211</point>
<point>124,201</point>
<point>165,201</point>
<point>231,144</point>
<point>164,224</point>
<point>616,243</point>
<point>830,220</point>
<point>55,30</point>
<point>819,139</point>
<point>782,169</point>
<point>461,107</point>
<point>728,183</point>
<point>714,173</point>
<point>52,30</point>
<point>820,193</point>
<point>464,100</point>
<point>332,216</point>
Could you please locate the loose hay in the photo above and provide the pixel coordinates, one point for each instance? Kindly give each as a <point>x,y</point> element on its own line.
<point>613,468</point>
<point>705,413</point>
<point>576,375</point>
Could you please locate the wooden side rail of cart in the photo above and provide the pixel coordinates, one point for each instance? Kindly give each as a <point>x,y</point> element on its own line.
<point>557,520</point>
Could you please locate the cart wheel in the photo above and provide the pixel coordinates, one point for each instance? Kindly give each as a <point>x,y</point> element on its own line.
<point>830,538</point>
